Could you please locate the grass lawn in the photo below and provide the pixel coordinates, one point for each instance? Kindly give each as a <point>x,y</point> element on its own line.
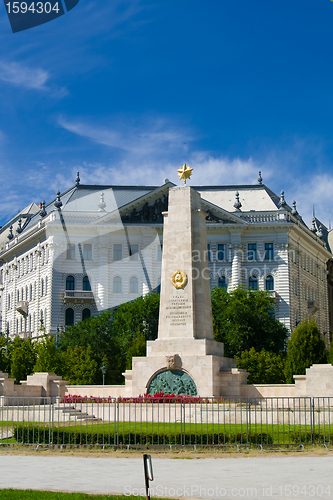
<point>148,433</point>
<point>50,495</point>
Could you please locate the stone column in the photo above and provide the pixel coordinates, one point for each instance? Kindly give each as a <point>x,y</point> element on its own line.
<point>103,272</point>
<point>236,266</point>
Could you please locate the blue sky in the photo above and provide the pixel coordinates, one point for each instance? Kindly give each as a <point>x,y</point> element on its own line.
<point>127,91</point>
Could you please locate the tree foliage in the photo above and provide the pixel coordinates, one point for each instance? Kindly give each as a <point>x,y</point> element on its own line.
<point>305,347</point>
<point>264,367</point>
<point>80,366</point>
<point>48,356</point>
<point>114,333</point>
<point>243,319</point>
<point>23,358</point>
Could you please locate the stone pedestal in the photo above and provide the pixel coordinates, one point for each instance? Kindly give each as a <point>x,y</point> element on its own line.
<point>185,359</point>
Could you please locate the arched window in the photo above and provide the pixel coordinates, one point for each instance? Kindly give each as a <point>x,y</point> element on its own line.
<point>46,285</point>
<point>269,283</point>
<point>134,285</point>
<point>70,283</point>
<point>69,317</point>
<point>30,292</point>
<point>42,288</point>
<point>253,283</point>
<point>18,295</point>
<point>86,314</point>
<point>117,284</point>
<point>222,283</point>
<point>86,284</point>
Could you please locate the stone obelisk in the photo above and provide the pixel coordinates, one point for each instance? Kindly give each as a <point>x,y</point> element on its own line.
<point>185,358</point>
<point>185,307</point>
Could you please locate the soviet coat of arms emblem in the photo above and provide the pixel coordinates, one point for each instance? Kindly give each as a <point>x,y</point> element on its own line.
<point>179,279</point>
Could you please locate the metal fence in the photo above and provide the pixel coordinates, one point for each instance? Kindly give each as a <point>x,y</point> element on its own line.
<point>168,421</point>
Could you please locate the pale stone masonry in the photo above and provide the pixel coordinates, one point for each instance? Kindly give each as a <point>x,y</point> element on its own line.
<point>112,236</point>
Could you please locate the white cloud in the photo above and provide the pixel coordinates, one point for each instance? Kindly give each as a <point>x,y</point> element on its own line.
<point>31,78</point>
<point>315,190</point>
<point>149,138</point>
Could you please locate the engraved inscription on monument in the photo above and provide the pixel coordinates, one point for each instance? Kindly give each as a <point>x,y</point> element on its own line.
<point>179,311</point>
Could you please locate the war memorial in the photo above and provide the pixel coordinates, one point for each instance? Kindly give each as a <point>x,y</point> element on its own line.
<point>184,359</point>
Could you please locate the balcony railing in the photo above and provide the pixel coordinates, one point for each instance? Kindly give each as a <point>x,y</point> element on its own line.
<point>78,296</point>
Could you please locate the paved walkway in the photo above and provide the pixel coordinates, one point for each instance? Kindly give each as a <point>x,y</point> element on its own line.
<point>263,477</point>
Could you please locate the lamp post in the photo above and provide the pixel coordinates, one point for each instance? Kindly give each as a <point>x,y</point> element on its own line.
<point>103,368</point>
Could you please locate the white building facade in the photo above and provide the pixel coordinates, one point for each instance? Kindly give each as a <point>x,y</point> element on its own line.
<point>94,247</point>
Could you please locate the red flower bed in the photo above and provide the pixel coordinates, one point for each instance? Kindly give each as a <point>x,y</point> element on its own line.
<point>146,398</point>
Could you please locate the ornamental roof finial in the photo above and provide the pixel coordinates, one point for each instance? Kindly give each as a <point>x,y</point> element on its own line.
<point>313,227</point>
<point>294,209</point>
<point>320,233</point>
<point>260,178</point>
<point>43,212</point>
<point>58,202</point>
<point>10,235</point>
<point>19,226</point>
<point>77,180</point>
<point>237,203</point>
<point>102,204</point>
<point>282,201</point>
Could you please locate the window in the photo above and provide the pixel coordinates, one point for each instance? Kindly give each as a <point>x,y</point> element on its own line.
<point>134,249</point>
<point>269,251</point>
<point>253,283</point>
<point>117,252</point>
<point>41,318</point>
<point>87,251</point>
<point>70,251</point>
<point>86,314</point>
<point>269,283</point>
<point>252,251</point>
<point>209,254</point>
<point>69,317</point>
<point>86,284</point>
<point>42,288</point>
<point>46,285</point>
<point>222,283</point>
<point>134,285</point>
<point>159,252</point>
<point>117,285</point>
<point>70,283</point>
<point>221,252</point>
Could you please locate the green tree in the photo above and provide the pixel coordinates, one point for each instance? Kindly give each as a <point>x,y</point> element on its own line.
<point>112,333</point>
<point>264,367</point>
<point>243,319</point>
<point>4,357</point>
<point>98,333</point>
<point>305,347</point>
<point>49,358</point>
<point>23,358</point>
<point>136,348</point>
<point>80,366</point>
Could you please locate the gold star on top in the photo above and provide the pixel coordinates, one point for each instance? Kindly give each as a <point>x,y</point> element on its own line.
<point>185,172</point>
